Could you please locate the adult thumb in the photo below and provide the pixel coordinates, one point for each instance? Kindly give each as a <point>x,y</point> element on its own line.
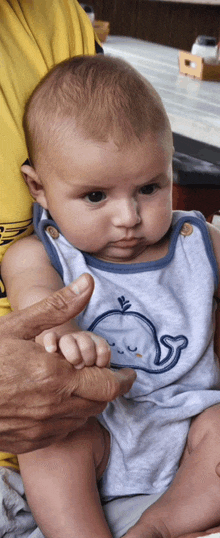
<point>52,311</point>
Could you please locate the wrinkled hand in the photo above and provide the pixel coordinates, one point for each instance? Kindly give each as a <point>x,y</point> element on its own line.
<point>134,533</point>
<point>215,532</point>
<point>142,529</point>
<point>42,397</point>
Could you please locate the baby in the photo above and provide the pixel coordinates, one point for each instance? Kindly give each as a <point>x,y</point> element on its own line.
<point>100,149</point>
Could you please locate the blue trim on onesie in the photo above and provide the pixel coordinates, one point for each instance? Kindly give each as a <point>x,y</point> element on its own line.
<point>40,230</point>
<point>209,249</point>
<point>127,268</point>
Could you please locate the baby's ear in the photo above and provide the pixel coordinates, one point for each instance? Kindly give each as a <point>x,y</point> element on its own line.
<point>34,184</point>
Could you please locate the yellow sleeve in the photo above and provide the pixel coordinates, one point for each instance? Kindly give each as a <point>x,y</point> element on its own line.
<point>9,460</point>
<point>34,36</point>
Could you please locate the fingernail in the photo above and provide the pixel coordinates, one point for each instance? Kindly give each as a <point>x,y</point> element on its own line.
<point>126,373</point>
<point>51,349</point>
<point>80,285</point>
<point>79,366</point>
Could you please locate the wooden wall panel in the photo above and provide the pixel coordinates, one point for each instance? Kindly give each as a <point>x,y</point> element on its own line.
<point>175,24</point>
<point>122,15</point>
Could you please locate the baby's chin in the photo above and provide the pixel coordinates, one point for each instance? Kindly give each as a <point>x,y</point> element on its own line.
<point>122,255</point>
<point>138,252</point>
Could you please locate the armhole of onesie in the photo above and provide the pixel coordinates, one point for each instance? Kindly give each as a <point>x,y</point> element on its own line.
<point>200,221</point>
<point>40,224</point>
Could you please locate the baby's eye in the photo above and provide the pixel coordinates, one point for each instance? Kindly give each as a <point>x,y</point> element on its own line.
<point>96,197</point>
<point>149,189</point>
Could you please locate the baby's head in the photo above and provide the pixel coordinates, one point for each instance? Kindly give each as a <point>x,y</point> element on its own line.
<point>97,133</point>
<point>99,97</point>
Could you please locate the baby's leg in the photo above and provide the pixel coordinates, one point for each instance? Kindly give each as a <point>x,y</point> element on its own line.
<point>61,484</point>
<point>192,503</point>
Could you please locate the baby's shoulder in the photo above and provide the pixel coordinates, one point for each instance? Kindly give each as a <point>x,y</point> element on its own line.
<point>24,252</point>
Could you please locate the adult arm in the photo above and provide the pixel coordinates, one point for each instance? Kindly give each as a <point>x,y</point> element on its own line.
<point>42,397</point>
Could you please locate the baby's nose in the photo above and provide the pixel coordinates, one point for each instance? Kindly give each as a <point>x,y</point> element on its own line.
<point>126,213</point>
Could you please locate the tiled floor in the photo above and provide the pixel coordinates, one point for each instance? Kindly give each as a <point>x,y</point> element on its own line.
<point>193,106</point>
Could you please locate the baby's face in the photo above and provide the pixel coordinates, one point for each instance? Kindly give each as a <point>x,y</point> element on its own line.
<point>113,203</point>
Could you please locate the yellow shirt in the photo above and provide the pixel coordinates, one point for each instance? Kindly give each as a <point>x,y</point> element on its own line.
<point>35,36</point>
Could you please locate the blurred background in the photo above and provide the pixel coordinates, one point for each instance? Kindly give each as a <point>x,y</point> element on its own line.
<point>174,23</point>
<point>156,37</point>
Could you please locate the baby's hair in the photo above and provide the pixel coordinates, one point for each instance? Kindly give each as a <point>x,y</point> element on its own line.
<point>99,96</point>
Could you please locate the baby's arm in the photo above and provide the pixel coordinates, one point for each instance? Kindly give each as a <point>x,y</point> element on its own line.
<point>29,277</point>
<point>60,480</point>
<point>28,273</point>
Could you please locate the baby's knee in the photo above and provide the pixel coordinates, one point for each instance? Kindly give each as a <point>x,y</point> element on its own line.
<point>207,424</point>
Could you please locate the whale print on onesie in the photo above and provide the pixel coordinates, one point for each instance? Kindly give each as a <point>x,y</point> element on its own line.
<point>135,344</point>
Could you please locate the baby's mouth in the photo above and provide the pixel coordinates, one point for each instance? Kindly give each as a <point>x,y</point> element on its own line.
<point>127,242</point>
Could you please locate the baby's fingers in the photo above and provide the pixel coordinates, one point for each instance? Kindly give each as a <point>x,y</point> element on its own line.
<point>103,351</point>
<point>70,349</point>
<point>50,342</point>
<point>85,349</point>
<point>94,349</point>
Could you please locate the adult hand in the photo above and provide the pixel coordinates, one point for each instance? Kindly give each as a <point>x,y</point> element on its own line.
<point>213,532</point>
<point>42,397</point>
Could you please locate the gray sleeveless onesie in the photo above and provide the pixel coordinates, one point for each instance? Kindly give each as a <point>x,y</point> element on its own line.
<point>158,318</point>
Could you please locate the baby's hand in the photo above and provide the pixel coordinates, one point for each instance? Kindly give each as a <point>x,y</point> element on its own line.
<point>80,348</point>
